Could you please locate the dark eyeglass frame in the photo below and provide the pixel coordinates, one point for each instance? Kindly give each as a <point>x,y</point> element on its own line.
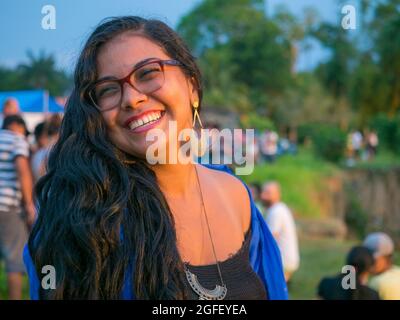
<point>127,79</point>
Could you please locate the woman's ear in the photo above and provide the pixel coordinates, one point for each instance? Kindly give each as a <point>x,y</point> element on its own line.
<point>194,94</point>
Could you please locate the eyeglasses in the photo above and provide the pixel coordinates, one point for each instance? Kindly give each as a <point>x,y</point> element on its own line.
<point>146,78</point>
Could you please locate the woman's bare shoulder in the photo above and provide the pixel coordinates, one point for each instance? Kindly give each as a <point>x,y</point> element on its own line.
<point>231,188</point>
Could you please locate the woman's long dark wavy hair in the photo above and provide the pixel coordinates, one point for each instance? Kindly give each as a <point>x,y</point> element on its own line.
<point>92,191</point>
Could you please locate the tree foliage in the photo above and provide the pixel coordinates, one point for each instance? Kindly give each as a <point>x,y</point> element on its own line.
<point>245,57</point>
<point>248,58</point>
<point>39,72</point>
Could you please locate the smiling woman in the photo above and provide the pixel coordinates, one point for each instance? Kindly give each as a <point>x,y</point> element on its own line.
<point>113,225</point>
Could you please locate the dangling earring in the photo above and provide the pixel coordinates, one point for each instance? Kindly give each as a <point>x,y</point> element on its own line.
<point>201,147</point>
<point>196,114</point>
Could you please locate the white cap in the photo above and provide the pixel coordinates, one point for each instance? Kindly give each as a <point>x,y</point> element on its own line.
<point>379,243</point>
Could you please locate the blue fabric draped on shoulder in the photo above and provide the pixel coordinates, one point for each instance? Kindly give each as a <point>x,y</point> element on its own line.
<point>265,257</point>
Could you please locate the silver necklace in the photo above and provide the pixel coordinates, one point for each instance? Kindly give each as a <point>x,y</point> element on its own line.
<point>219,292</point>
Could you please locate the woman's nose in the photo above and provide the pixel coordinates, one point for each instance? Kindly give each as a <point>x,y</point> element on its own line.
<point>131,97</point>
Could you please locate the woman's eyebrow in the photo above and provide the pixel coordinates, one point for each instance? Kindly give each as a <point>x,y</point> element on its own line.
<point>141,62</point>
<point>144,61</point>
<point>107,78</point>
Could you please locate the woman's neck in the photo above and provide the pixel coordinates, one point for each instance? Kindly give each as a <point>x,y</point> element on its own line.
<point>176,180</point>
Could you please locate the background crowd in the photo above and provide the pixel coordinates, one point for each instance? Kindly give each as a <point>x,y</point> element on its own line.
<point>23,157</point>
<point>374,275</point>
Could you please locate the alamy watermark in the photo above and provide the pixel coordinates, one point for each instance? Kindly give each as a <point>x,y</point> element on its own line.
<point>49,278</point>
<point>49,18</point>
<point>349,19</point>
<point>349,278</point>
<point>212,146</point>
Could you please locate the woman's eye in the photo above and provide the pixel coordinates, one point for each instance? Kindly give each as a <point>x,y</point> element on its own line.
<point>147,73</point>
<point>107,91</point>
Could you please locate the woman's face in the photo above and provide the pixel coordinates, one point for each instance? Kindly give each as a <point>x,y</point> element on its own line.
<point>172,101</point>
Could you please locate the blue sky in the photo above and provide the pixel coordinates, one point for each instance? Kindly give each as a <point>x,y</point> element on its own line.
<point>20,24</point>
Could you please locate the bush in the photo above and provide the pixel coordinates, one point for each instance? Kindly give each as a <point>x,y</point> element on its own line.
<point>306,131</point>
<point>329,142</point>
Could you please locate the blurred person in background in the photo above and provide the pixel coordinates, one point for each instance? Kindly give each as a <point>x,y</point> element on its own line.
<point>10,107</point>
<point>255,190</point>
<point>333,288</point>
<point>17,211</point>
<point>281,223</point>
<point>41,143</point>
<point>269,145</point>
<point>386,278</point>
<point>46,134</point>
<point>357,143</point>
<point>41,136</point>
<point>372,144</point>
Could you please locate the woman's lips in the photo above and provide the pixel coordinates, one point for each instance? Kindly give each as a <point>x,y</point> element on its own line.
<point>150,119</point>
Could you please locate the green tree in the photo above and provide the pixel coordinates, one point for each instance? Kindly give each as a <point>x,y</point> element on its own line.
<point>375,82</point>
<point>336,72</point>
<point>369,92</point>
<point>245,57</point>
<point>40,72</point>
<point>387,16</point>
<point>10,79</point>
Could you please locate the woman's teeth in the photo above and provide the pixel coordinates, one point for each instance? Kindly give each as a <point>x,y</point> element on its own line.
<point>148,118</point>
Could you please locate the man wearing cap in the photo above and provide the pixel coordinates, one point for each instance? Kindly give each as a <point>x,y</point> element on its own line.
<point>17,210</point>
<point>387,276</point>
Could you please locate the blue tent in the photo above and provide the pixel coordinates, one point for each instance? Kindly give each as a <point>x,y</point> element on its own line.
<point>33,101</point>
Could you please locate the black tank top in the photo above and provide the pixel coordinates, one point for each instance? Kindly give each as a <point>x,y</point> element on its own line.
<point>240,279</point>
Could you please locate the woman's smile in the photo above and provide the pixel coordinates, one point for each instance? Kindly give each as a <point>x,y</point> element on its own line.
<point>145,121</point>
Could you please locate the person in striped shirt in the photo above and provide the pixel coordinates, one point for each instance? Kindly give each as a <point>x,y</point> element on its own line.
<point>17,209</point>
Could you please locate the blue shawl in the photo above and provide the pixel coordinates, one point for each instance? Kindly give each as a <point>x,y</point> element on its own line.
<point>265,257</point>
